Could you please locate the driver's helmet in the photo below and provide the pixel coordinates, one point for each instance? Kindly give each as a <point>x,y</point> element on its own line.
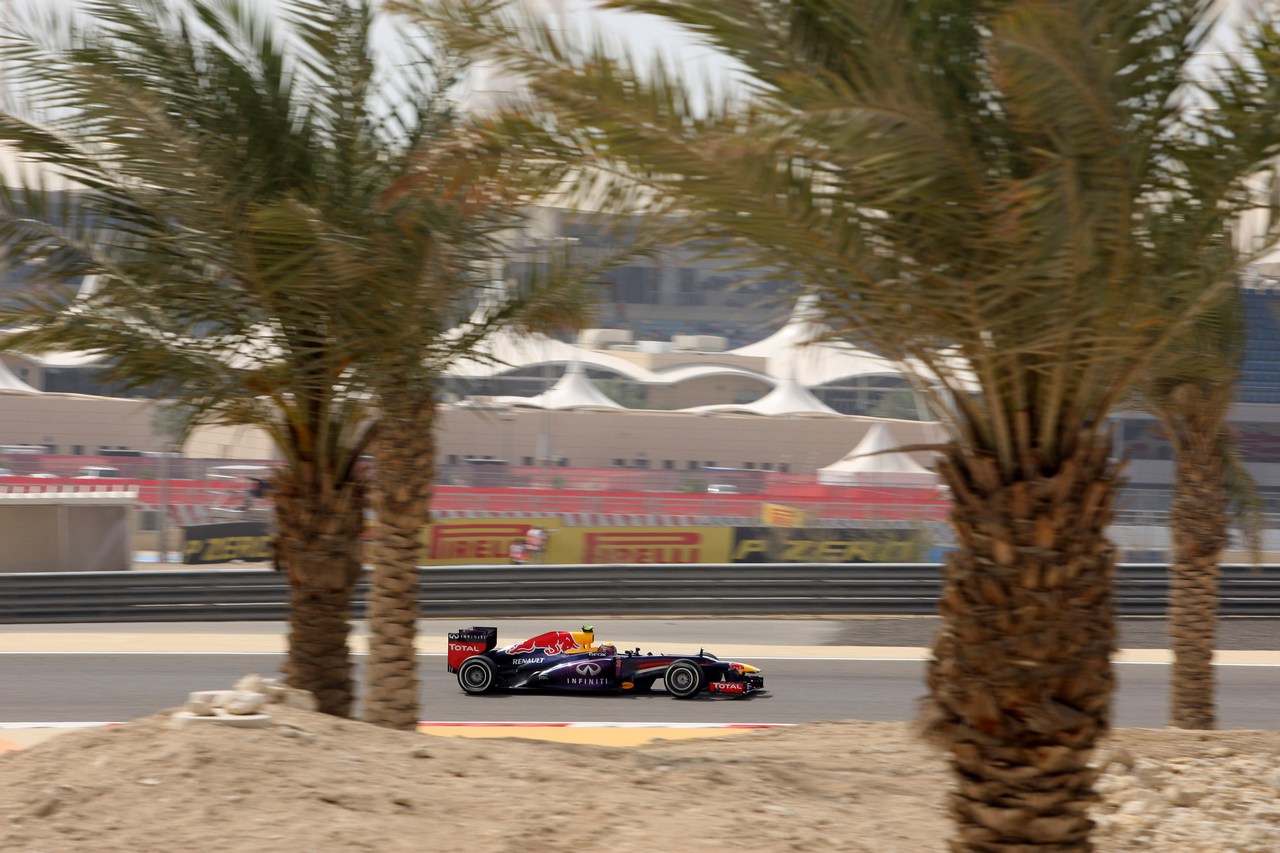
<point>607,648</point>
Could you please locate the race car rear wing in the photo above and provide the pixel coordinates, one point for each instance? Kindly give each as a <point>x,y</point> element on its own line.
<point>470,641</point>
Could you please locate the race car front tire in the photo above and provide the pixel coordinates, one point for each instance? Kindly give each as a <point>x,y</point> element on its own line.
<point>684,679</point>
<point>477,675</point>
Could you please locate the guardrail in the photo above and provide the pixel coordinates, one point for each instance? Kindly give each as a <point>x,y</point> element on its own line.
<point>480,592</point>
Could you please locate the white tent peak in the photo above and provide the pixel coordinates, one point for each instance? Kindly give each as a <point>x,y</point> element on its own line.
<point>802,328</point>
<point>11,384</point>
<point>574,390</point>
<point>875,462</point>
<point>788,397</point>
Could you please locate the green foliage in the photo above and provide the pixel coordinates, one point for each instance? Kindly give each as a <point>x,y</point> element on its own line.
<point>692,486</point>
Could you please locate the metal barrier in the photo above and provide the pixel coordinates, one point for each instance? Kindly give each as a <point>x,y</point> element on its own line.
<point>479,592</point>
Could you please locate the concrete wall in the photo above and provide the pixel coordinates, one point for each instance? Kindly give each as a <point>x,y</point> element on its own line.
<point>599,438</point>
<point>584,438</point>
<point>43,534</point>
<point>71,421</point>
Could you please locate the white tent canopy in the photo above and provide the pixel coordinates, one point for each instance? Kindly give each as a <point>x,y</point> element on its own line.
<point>802,328</point>
<point>875,463</point>
<point>788,397</point>
<point>798,351</point>
<point>11,384</point>
<point>574,390</point>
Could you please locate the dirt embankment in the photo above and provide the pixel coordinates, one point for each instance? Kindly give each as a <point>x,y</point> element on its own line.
<point>316,783</point>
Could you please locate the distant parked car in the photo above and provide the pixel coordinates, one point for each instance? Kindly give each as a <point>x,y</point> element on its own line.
<point>5,472</point>
<point>722,489</point>
<point>94,472</point>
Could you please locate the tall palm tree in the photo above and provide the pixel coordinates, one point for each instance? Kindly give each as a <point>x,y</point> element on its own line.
<point>441,239</point>
<point>993,193</point>
<point>206,150</point>
<point>295,237</point>
<point>195,146</point>
<point>1190,390</point>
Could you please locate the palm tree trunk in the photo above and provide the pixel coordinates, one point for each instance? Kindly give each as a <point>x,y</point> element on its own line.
<point>318,526</point>
<point>405,453</point>
<point>1020,681</point>
<point>1198,519</point>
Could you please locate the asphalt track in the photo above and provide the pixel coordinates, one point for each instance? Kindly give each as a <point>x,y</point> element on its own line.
<point>115,673</point>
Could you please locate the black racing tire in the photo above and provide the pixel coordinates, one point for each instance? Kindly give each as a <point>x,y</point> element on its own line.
<point>684,679</point>
<point>477,675</point>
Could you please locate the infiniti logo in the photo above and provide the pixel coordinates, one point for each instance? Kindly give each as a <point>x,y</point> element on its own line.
<point>587,669</point>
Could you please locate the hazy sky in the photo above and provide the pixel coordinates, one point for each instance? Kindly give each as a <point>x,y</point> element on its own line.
<point>641,35</point>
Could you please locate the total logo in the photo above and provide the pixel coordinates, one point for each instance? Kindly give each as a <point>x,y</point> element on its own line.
<point>727,687</point>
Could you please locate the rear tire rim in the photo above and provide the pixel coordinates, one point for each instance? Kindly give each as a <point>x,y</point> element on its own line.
<point>476,676</point>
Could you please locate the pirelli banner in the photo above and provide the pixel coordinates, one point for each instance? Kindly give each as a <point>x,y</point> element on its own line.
<point>226,541</point>
<point>829,545</point>
<point>485,541</point>
<point>488,541</point>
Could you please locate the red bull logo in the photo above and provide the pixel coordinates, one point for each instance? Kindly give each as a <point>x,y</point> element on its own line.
<point>551,643</point>
<point>643,547</point>
<point>479,541</point>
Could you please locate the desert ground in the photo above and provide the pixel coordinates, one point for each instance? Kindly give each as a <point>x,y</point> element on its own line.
<point>314,783</point>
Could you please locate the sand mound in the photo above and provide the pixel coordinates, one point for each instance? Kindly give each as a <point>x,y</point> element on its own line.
<point>316,783</point>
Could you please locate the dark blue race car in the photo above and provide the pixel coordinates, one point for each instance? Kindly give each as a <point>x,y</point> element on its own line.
<point>573,660</point>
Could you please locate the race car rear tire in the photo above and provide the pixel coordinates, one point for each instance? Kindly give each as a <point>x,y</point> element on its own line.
<point>684,679</point>
<point>477,675</point>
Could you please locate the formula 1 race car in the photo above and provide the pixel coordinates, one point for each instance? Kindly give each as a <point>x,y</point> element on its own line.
<point>573,660</point>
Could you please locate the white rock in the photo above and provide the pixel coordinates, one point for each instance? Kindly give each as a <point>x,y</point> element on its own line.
<point>214,698</point>
<point>251,682</point>
<point>241,702</point>
<point>275,690</point>
<point>199,708</point>
<point>241,721</point>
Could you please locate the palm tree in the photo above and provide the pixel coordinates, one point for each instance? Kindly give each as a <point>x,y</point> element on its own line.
<point>206,152</point>
<point>1025,202</point>
<point>1191,390</point>
<point>445,224</point>
<point>261,162</point>
<point>296,238</point>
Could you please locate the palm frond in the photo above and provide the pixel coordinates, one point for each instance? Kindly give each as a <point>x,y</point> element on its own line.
<point>1031,189</point>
